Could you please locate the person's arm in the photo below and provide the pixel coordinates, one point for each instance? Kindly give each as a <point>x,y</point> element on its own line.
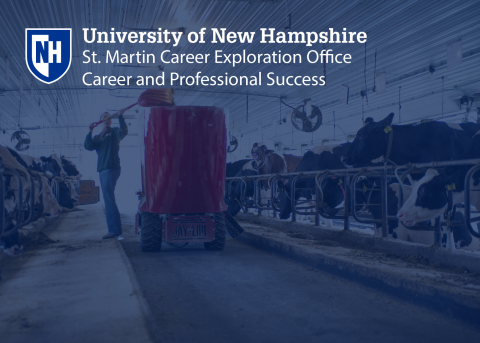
<point>89,143</point>
<point>123,130</point>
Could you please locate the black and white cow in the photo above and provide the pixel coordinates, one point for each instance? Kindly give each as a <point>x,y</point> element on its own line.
<point>430,195</point>
<point>233,202</point>
<point>34,164</point>
<point>53,164</point>
<point>231,170</point>
<point>317,159</point>
<point>426,142</point>
<point>29,165</point>
<point>70,168</point>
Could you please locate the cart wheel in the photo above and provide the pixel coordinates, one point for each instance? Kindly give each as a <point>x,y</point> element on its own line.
<point>151,232</point>
<point>220,235</point>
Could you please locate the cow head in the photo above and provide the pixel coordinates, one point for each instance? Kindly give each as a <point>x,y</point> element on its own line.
<point>428,198</point>
<point>285,203</point>
<point>69,167</point>
<point>51,165</point>
<point>65,198</point>
<point>370,143</point>
<point>260,151</point>
<point>233,204</point>
<point>50,204</point>
<point>73,192</point>
<point>333,194</point>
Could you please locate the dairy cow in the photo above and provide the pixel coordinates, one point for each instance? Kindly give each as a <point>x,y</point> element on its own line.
<point>430,196</point>
<point>29,165</point>
<point>64,191</point>
<point>34,165</point>
<point>53,164</point>
<point>233,202</point>
<point>317,159</point>
<point>232,169</point>
<point>50,204</point>
<point>11,243</point>
<point>401,144</point>
<point>70,168</point>
<point>270,162</point>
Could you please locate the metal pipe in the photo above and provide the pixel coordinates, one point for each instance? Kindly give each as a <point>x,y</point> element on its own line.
<point>391,168</point>
<point>40,189</point>
<point>19,218</point>
<point>294,201</point>
<point>354,203</point>
<point>384,199</point>
<point>346,222</point>
<point>437,236</point>
<point>467,200</point>
<point>32,203</point>
<point>2,200</point>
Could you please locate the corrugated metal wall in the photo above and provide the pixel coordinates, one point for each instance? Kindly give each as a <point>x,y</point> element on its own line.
<point>407,37</point>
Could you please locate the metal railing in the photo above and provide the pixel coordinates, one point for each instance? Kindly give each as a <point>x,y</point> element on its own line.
<point>384,174</point>
<point>18,214</point>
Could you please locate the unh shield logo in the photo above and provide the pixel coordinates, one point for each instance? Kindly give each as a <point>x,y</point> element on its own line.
<point>48,53</point>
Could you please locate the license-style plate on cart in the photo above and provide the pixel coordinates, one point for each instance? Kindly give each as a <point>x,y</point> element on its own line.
<point>182,229</point>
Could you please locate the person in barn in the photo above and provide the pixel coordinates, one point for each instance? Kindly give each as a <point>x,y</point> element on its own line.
<point>107,144</point>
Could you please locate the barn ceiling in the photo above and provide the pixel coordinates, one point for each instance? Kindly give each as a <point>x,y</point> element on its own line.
<point>405,38</point>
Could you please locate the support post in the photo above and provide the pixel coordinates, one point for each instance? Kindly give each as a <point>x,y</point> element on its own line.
<point>437,236</point>
<point>384,206</point>
<point>346,220</point>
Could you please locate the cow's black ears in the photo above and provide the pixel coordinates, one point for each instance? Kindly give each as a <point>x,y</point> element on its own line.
<point>369,120</point>
<point>387,121</point>
<point>43,158</point>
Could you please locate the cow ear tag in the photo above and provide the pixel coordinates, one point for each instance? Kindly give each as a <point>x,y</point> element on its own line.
<point>340,182</point>
<point>387,129</point>
<point>451,187</point>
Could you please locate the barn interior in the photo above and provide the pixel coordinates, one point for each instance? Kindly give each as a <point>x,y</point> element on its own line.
<point>299,279</point>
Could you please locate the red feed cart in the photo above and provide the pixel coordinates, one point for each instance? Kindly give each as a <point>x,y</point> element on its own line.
<point>183,176</point>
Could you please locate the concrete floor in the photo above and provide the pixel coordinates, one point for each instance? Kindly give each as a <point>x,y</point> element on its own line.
<point>76,290</point>
<point>246,295</point>
<point>79,290</point>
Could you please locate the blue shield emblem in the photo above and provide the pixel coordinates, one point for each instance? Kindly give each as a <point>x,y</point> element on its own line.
<point>48,53</point>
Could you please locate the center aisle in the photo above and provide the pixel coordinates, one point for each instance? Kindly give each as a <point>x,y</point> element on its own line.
<point>75,290</point>
<point>246,295</point>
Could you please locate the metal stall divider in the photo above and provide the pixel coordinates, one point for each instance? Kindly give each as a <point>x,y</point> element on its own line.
<point>2,199</point>
<point>468,191</point>
<point>410,168</point>
<point>19,200</point>
<point>383,173</point>
<point>319,195</point>
<point>40,193</point>
<point>294,202</point>
<point>258,197</point>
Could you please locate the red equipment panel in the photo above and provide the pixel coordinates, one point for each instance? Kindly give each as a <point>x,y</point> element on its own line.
<point>183,159</point>
<point>183,229</point>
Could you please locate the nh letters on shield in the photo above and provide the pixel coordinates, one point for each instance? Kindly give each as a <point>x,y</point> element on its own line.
<point>48,53</point>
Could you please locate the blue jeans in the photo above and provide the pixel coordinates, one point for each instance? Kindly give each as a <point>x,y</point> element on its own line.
<point>108,180</point>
